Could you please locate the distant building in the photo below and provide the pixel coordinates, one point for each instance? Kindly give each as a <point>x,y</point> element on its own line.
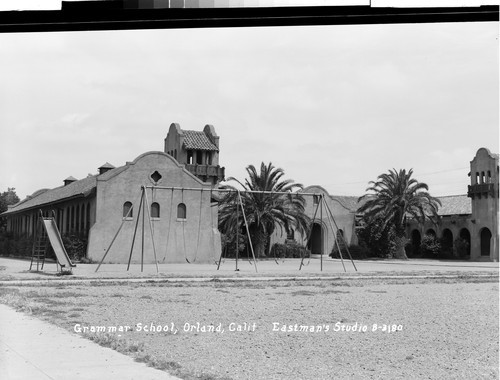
<point>472,217</point>
<point>184,222</point>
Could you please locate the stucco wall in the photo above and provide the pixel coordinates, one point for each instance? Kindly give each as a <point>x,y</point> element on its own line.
<point>195,238</point>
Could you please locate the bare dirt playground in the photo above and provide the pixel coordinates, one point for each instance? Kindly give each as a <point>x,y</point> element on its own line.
<point>287,329</point>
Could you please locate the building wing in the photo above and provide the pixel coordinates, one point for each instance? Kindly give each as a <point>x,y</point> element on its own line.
<point>79,188</point>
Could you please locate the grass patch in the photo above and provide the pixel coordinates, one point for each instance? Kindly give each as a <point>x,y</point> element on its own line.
<point>303,293</point>
<point>50,301</point>
<point>158,363</point>
<point>115,343</point>
<point>13,298</point>
<point>329,291</point>
<point>68,295</point>
<point>51,313</point>
<point>4,291</point>
<point>137,351</point>
<point>174,368</point>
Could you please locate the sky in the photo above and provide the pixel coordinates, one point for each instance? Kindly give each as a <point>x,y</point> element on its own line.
<point>331,105</point>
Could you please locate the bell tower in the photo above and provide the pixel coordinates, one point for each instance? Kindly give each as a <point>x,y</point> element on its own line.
<point>198,151</point>
<point>484,193</point>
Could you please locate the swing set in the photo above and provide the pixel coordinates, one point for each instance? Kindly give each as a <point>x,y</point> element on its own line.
<point>145,205</point>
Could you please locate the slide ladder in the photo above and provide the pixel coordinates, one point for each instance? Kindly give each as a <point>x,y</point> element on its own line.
<point>40,246</point>
<point>49,233</point>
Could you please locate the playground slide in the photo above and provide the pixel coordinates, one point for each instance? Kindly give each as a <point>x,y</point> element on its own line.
<point>57,244</point>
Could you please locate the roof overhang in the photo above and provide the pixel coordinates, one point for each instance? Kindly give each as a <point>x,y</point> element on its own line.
<point>44,205</point>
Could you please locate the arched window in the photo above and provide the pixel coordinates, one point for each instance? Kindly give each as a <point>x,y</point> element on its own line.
<point>290,235</point>
<point>181,211</point>
<point>482,178</point>
<point>155,210</point>
<point>127,210</point>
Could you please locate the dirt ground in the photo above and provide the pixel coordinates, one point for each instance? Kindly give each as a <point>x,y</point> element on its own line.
<point>290,329</point>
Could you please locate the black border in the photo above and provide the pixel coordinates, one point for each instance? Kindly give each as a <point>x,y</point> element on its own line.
<point>113,15</point>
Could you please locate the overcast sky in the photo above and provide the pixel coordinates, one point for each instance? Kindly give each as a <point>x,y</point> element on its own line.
<point>332,105</point>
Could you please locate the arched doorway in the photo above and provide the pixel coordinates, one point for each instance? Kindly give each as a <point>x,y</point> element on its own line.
<point>485,241</point>
<point>315,241</point>
<point>447,242</point>
<point>416,240</point>
<point>465,237</point>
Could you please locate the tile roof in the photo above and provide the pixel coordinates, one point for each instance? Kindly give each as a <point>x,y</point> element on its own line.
<point>107,165</point>
<point>198,140</point>
<point>348,202</point>
<point>450,205</point>
<point>455,205</point>
<point>39,198</point>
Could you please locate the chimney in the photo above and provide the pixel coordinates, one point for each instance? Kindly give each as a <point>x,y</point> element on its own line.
<point>104,168</point>
<point>69,180</point>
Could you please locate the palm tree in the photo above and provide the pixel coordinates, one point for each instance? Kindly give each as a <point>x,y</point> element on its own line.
<point>393,198</point>
<point>268,202</point>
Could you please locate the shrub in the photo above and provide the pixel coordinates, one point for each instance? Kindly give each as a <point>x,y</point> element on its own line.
<point>290,249</point>
<point>75,247</point>
<point>229,244</point>
<point>379,240</point>
<point>15,246</point>
<point>462,248</point>
<point>430,246</point>
<point>6,244</point>
<point>24,246</point>
<point>357,252</point>
<point>338,242</point>
<point>411,250</point>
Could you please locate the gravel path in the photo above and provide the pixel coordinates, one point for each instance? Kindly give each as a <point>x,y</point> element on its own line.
<point>442,330</point>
